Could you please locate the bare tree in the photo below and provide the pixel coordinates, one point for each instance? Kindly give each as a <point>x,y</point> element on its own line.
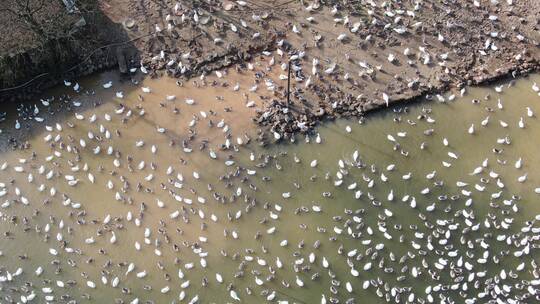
<point>45,18</point>
<point>25,12</point>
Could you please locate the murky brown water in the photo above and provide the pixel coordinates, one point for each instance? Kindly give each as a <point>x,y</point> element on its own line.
<point>178,209</point>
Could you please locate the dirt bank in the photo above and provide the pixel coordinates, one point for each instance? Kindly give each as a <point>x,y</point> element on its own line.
<point>399,51</point>
<point>85,41</point>
<point>365,51</point>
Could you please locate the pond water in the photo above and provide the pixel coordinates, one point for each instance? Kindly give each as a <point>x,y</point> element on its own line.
<point>149,198</point>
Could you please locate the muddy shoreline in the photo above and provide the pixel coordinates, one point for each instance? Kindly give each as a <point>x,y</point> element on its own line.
<point>286,123</point>
<point>391,53</point>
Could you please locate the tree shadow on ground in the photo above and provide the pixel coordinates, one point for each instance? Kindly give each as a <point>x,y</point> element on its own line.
<point>38,73</point>
<point>93,43</point>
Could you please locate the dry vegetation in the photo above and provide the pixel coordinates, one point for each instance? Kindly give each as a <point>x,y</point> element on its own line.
<point>29,23</point>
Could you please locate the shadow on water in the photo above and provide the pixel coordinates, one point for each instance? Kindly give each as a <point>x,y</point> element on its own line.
<point>20,121</point>
<point>95,43</point>
<point>100,45</point>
